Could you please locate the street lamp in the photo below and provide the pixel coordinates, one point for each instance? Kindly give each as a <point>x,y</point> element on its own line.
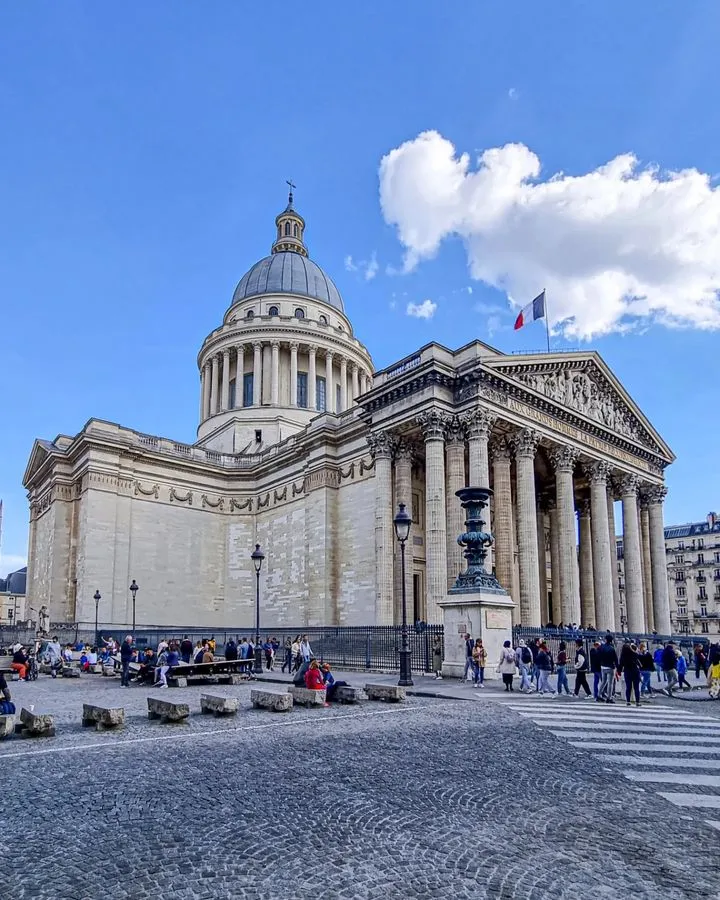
<point>402,523</point>
<point>133,590</point>
<point>257,556</point>
<point>97,598</point>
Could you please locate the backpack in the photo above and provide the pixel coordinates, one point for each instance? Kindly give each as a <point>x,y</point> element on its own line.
<point>526,655</point>
<point>198,658</point>
<point>7,708</point>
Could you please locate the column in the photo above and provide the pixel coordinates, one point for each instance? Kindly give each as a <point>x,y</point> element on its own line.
<point>556,607</point>
<point>602,557</point>
<point>525,443</point>
<point>381,445</point>
<point>612,533</point>
<point>329,388</point>
<point>646,566</point>
<point>225,397</point>
<point>363,385</point>
<point>500,453</point>
<point>275,373</point>
<point>403,494</point>
<point>479,424</point>
<point>343,384</point>
<point>628,485</point>
<point>563,460</point>
<point>354,381</point>
<point>455,480</point>
<point>205,392</point>
<point>433,424</point>
<point>213,385</point>
<point>257,373</point>
<point>239,374</point>
<point>661,602</point>
<point>540,511</point>
<point>294,373</point>
<point>587,583</point>
<point>312,379</point>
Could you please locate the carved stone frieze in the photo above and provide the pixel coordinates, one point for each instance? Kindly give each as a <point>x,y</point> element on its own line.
<point>279,496</point>
<point>434,424</point>
<point>181,498</point>
<point>240,505</point>
<point>153,491</point>
<point>213,504</point>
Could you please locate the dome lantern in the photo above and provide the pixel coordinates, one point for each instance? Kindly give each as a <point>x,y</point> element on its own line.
<point>290,229</point>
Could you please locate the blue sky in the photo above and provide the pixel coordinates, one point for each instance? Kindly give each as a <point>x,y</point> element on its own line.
<point>144,156</point>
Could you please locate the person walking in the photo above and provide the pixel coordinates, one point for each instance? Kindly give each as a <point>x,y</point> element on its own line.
<point>607,657</point>
<point>562,682</point>
<point>305,649</point>
<point>127,651</point>
<point>669,667</point>
<point>534,650</point>
<point>479,658</point>
<point>582,667</point>
<point>288,655</point>
<point>657,658</point>
<point>297,658</point>
<point>469,644</point>
<point>714,671</point>
<point>647,667</point>
<point>437,655</point>
<point>629,666</point>
<point>544,664</point>
<point>595,667</point>
<point>682,670</point>
<point>523,661</point>
<point>506,665</point>
<point>701,662</point>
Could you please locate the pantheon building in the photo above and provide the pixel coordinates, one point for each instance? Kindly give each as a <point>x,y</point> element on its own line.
<point>304,447</point>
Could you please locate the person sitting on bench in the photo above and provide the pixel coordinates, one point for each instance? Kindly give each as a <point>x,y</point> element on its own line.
<point>166,660</point>
<point>146,672</point>
<point>20,661</point>
<point>299,676</point>
<point>314,680</point>
<point>330,684</point>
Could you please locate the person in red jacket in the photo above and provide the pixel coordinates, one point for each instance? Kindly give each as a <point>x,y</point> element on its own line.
<point>314,680</point>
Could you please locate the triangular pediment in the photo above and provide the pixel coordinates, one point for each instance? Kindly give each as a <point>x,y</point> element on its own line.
<point>583,383</point>
<point>38,456</point>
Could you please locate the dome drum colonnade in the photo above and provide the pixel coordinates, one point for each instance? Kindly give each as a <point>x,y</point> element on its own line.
<point>479,448</point>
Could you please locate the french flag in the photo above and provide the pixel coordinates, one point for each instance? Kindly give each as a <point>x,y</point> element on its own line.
<point>531,312</point>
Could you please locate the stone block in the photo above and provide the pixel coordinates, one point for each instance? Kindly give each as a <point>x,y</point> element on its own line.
<point>307,697</point>
<point>45,669</point>
<point>391,693</point>
<point>274,700</point>
<point>346,694</point>
<point>7,726</point>
<point>167,710</point>
<point>97,669</point>
<point>34,724</point>
<point>220,706</point>
<point>102,717</point>
<point>177,682</point>
<point>69,672</point>
<point>109,671</point>
<point>232,679</point>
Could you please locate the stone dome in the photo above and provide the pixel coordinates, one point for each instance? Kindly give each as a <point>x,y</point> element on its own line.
<point>288,272</point>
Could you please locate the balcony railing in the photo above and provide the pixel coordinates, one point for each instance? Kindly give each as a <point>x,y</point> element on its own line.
<point>701,579</point>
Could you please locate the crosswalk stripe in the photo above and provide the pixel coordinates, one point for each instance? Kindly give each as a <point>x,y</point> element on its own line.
<point>611,709</point>
<point>698,801</point>
<point>667,761</point>
<point>644,736</point>
<point>713,824</point>
<point>652,748</point>
<point>590,718</point>
<point>678,730</point>
<point>689,778</point>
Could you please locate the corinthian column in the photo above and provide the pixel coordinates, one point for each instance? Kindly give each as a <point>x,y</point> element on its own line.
<point>403,494</point>
<point>455,456</point>
<point>329,389</point>
<point>556,608</point>
<point>503,531</point>
<point>257,373</point>
<point>239,375</point>
<point>587,585</point>
<point>213,385</point>
<point>525,443</point>
<point>381,445</point>
<point>433,424</point>
<point>354,381</point>
<point>563,460</point>
<point>226,379</point>
<point>205,408</point>
<point>312,378</point>
<point>542,560</point>
<point>628,485</point>
<point>645,553</point>
<point>343,384</point>
<point>479,423</point>
<point>602,563</point>
<point>612,534</point>
<point>275,373</point>
<point>661,604</point>
<point>293,373</point>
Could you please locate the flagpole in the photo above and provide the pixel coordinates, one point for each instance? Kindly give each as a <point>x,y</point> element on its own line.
<point>547,321</point>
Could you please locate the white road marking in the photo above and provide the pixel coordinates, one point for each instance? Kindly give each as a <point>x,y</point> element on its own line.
<point>645,761</point>
<point>713,824</point>
<point>652,748</point>
<point>638,736</point>
<point>688,778</point>
<point>699,801</point>
<point>644,725</point>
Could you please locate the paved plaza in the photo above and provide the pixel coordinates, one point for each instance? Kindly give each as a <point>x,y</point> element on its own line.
<point>507,796</point>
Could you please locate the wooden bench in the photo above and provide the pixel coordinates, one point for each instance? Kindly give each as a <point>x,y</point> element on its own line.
<point>344,693</point>
<point>307,697</point>
<point>167,710</point>
<point>219,706</point>
<point>7,726</point>
<point>102,717</point>
<point>34,724</point>
<point>274,700</point>
<point>390,693</point>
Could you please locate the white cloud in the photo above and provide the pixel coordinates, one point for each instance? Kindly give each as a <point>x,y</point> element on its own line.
<point>469,289</point>
<point>371,268</point>
<point>512,93</point>
<point>616,248</point>
<point>368,267</point>
<point>10,562</point>
<point>350,265</point>
<point>424,310</point>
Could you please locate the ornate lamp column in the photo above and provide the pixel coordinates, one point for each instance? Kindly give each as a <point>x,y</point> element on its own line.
<point>381,447</point>
<point>661,603</point>
<point>525,443</point>
<point>455,480</point>
<point>563,460</point>
<point>628,485</point>
<point>602,561</point>
<point>433,424</point>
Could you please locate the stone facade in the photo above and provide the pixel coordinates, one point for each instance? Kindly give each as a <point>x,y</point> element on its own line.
<point>310,458</point>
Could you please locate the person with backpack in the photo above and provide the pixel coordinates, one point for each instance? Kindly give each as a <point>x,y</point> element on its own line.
<point>506,665</point>
<point>607,657</point>
<point>629,665</point>
<point>562,681</point>
<point>544,666</point>
<point>469,644</point>
<point>524,660</point>
<point>669,667</point>
<point>479,660</point>
<point>647,667</point>
<point>582,667</point>
<point>7,707</point>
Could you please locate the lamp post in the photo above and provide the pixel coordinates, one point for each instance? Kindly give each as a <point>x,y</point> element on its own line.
<point>133,590</point>
<point>97,598</point>
<point>257,556</point>
<point>402,523</point>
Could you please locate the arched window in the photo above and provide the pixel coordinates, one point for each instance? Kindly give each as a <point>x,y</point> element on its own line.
<point>322,320</point>
<point>287,229</point>
<point>250,314</point>
<point>299,313</point>
<point>273,311</point>
<point>295,230</point>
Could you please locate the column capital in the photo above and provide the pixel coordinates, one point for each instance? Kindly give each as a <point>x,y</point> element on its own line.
<point>434,424</point>
<point>257,345</point>
<point>275,344</point>
<point>404,450</point>
<point>312,350</point>
<point>479,423</point>
<point>499,448</point>
<point>628,485</point>
<point>563,458</point>
<point>329,354</point>
<point>343,359</point>
<point>583,508</point>
<point>226,353</point>
<point>455,433</point>
<point>239,348</point>
<point>382,444</point>
<point>294,345</point>
<point>524,443</point>
<point>354,367</point>
<point>596,471</point>
<point>655,493</point>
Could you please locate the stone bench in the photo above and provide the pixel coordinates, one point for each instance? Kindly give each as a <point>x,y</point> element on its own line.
<point>166,710</point>
<point>102,717</point>
<point>344,693</point>
<point>274,700</point>
<point>109,671</point>
<point>391,693</point>
<point>219,706</point>
<point>34,724</point>
<point>7,726</point>
<point>307,697</point>
<point>69,672</point>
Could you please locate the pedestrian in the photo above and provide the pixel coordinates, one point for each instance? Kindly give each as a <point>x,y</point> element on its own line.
<point>287,655</point>
<point>54,655</point>
<point>647,667</point>
<point>669,667</point>
<point>469,644</point>
<point>127,651</point>
<point>269,652</point>
<point>657,659</point>
<point>582,667</point>
<point>701,663</point>
<point>305,649</point>
<point>562,681</point>
<point>186,649</point>
<point>714,671</point>
<point>534,650</point>
<point>682,670</point>
<point>608,660</point>
<point>297,658</point>
<point>506,665</point>
<point>629,666</point>
<point>479,660</point>
<point>544,664</point>
<point>231,650</point>
<point>595,667</point>
<point>437,655</point>
<point>523,660</point>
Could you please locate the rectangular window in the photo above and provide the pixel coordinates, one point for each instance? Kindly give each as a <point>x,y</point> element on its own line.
<point>320,397</point>
<point>703,610</point>
<point>701,543</point>
<point>704,627</point>
<point>680,591</point>
<point>681,545</point>
<point>302,390</point>
<point>682,611</point>
<point>231,400</point>
<point>717,557</point>
<point>248,389</point>
<point>702,595</point>
<point>701,559</point>
<point>679,560</point>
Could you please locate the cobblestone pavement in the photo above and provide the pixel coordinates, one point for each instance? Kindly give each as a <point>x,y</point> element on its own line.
<point>436,798</point>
